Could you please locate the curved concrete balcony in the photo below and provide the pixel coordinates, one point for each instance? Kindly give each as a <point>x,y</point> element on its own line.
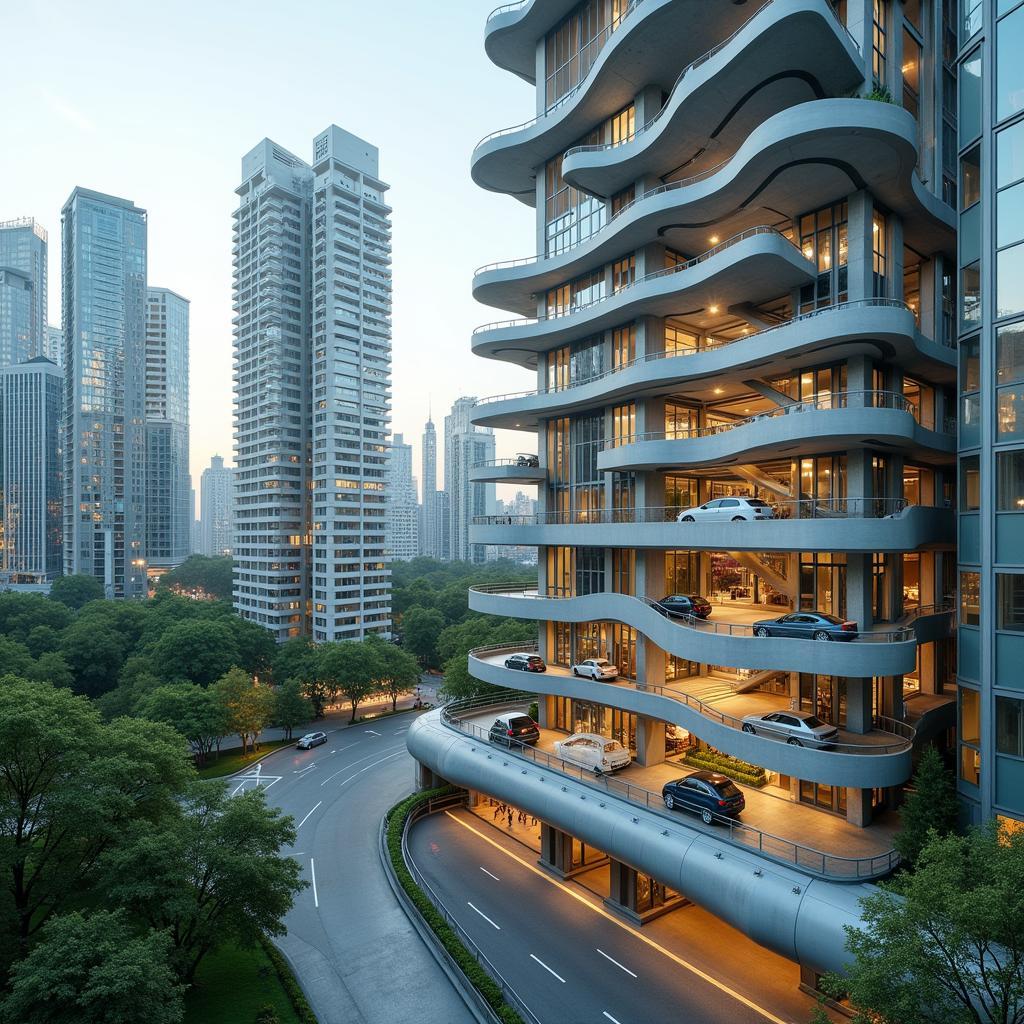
<point>508,471</point>
<point>754,266</point>
<point>852,524</point>
<point>727,91</point>
<point>880,328</point>
<point>804,157</point>
<point>787,897</point>
<point>833,422</point>
<point>881,652</point>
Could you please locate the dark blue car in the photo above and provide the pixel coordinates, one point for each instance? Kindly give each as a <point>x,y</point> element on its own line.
<point>807,626</point>
<point>705,793</point>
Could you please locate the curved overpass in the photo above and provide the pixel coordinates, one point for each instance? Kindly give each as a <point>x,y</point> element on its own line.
<point>791,911</point>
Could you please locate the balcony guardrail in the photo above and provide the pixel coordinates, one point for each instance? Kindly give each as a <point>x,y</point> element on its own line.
<point>824,865</point>
<point>650,357</point>
<point>897,635</point>
<point>529,321</point>
<point>519,462</point>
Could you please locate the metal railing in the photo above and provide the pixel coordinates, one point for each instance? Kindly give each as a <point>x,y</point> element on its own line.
<point>421,811</point>
<point>505,8</point>
<point>517,461</point>
<point>897,635</point>
<point>760,229</point>
<point>712,344</point>
<point>816,862</point>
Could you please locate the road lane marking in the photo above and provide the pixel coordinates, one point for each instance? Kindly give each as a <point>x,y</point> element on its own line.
<point>312,872</point>
<point>372,764</point>
<point>304,820</point>
<point>354,763</point>
<point>610,1017</point>
<point>606,956</point>
<point>486,872</point>
<point>675,958</point>
<point>371,732</point>
<point>299,771</point>
<point>546,968</point>
<point>484,916</point>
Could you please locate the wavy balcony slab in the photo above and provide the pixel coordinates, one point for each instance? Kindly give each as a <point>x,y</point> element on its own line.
<point>508,474</point>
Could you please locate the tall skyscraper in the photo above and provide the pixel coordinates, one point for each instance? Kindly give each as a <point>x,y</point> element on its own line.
<point>168,484</point>
<point>16,305</point>
<point>23,248</point>
<point>312,390</point>
<point>216,508</point>
<point>104,416</point>
<point>465,446</point>
<point>30,472</point>
<point>430,534</point>
<point>403,506</point>
<point>53,345</point>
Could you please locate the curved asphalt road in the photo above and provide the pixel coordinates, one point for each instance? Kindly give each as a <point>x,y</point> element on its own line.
<point>357,956</point>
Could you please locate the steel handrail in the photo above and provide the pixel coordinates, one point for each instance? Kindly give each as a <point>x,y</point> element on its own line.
<point>897,635</point>
<point>650,357</point>
<point>814,861</point>
<point>504,462</point>
<point>529,321</point>
<point>507,7</point>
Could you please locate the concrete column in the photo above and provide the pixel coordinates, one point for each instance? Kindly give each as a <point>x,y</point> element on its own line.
<point>623,886</point>
<point>647,103</point>
<point>556,853</point>
<point>860,275</point>
<point>650,741</point>
<point>426,778</point>
<point>858,807</point>
<point>858,705</point>
<point>545,711</point>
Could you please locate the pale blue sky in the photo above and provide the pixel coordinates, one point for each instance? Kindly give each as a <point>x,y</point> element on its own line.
<point>158,102</point>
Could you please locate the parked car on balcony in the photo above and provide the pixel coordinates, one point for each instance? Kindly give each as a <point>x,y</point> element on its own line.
<point>514,727</point>
<point>807,626</point>
<point>705,793</point>
<point>800,728</point>
<point>527,460</point>
<point>588,750</point>
<point>682,606</point>
<point>596,668</point>
<point>728,510</point>
<point>526,663</point>
<point>310,740</point>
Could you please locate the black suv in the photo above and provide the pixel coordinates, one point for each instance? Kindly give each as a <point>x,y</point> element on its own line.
<point>514,727</point>
<point>705,793</point>
<point>526,663</point>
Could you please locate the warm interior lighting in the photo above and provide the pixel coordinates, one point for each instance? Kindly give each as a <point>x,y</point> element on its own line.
<point>712,309</point>
<point>713,239</point>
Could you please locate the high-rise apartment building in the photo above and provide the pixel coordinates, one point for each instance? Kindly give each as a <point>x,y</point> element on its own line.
<point>53,345</point>
<point>103,291</point>
<point>312,390</point>
<point>403,505</point>
<point>466,446</point>
<point>168,483</point>
<point>30,472</point>
<point>23,248</point>
<point>430,519</point>
<point>215,498</point>
<point>16,307</point>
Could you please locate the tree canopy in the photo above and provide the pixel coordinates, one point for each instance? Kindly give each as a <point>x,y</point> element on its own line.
<point>201,576</point>
<point>76,591</point>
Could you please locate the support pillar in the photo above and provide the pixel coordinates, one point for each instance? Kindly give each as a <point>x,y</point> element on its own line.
<point>637,897</point>
<point>427,778</point>
<point>557,854</point>
<point>650,741</point>
<point>858,807</point>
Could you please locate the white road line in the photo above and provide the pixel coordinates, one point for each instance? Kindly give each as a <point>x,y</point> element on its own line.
<point>607,957</point>
<point>486,872</point>
<point>484,916</point>
<point>312,871</point>
<point>354,763</point>
<point>371,732</point>
<point>299,771</point>
<point>546,968</point>
<point>610,1017</point>
<point>372,764</point>
<point>304,820</point>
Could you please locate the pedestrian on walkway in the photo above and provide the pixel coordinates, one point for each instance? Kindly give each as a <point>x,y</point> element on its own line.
<point>510,817</point>
<point>497,811</point>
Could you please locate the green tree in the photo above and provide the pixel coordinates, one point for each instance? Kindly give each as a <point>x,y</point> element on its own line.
<point>51,668</point>
<point>458,641</point>
<point>41,639</point>
<point>291,707</point>
<point>76,591</point>
<point>201,575</point>
<point>94,970</point>
<point>15,658</point>
<point>931,806</point>
<point>196,712</point>
<point>300,660</point>
<point>249,705</point>
<point>213,873</point>
<point>94,654</point>
<point>197,651</point>
<point>69,785</point>
<point>353,669</point>
<point>257,648</point>
<point>944,944</point>
<point>420,629</point>
<point>399,671</point>
<point>22,613</point>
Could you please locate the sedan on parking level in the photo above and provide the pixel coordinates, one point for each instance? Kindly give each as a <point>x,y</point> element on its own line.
<point>682,606</point>
<point>526,663</point>
<point>596,668</point>
<point>598,753</point>
<point>708,794</point>
<point>311,739</point>
<point>514,727</point>
<point>800,728</point>
<point>727,510</point>
<point>807,626</point>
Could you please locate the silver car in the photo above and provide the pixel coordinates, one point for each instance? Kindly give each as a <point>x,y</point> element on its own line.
<point>800,728</point>
<point>596,668</point>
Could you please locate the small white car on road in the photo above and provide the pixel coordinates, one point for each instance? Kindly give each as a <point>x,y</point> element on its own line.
<point>727,510</point>
<point>588,750</point>
<point>596,668</point>
<point>311,739</point>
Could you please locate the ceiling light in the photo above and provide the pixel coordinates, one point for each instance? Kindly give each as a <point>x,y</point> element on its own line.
<point>712,309</point>
<point>713,239</point>
<point>718,391</point>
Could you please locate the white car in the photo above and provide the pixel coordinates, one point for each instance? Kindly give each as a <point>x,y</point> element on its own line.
<point>589,750</point>
<point>311,739</point>
<point>596,668</point>
<point>727,510</point>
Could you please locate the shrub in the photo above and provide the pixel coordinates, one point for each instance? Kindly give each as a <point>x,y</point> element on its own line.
<point>724,764</point>
<point>533,711</point>
<point>291,987</point>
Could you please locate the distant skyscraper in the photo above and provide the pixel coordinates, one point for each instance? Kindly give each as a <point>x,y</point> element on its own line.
<point>215,499</point>
<point>430,539</point>
<point>464,446</point>
<point>16,303</point>
<point>30,479</point>
<point>168,484</point>
<point>104,417</point>
<point>23,248</point>
<point>312,390</point>
<point>53,345</point>
<point>403,507</point>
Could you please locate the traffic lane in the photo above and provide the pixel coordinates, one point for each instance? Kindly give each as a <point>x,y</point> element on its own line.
<point>520,916</point>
